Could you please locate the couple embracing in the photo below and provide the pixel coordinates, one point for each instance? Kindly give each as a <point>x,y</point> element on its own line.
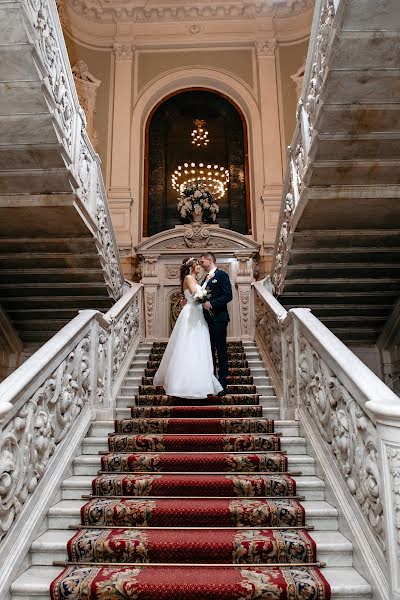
<point>187,367</point>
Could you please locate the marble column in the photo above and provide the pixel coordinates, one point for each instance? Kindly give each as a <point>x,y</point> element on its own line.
<point>119,193</point>
<point>272,155</point>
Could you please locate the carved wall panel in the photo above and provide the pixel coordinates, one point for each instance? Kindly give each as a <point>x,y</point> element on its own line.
<point>175,307</point>
<point>348,430</point>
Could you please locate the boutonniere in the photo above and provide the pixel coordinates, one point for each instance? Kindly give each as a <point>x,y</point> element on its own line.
<point>214,281</point>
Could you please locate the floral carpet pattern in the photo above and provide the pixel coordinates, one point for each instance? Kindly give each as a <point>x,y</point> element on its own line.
<point>193,500</point>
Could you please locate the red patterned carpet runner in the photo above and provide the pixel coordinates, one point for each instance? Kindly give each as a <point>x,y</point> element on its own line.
<point>194,500</point>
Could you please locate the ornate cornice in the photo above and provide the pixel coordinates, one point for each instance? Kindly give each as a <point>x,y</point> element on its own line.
<point>102,11</point>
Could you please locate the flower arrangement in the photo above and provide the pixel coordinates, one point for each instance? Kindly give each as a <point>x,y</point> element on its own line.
<point>201,295</point>
<point>196,198</point>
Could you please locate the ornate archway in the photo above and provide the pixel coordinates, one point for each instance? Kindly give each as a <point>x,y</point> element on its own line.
<point>160,259</point>
<point>202,78</point>
<point>168,144</point>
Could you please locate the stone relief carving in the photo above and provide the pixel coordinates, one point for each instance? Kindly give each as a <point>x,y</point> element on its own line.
<point>123,52</point>
<point>393,458</point>
<point>269,331</point>
<point>56,76</point>
<point>175,307</point>
<point>30,438</point>
<point>194,29</point>
<point>291,388</point>
<point>244,305</point>
<point>105,236</point>
<point>282,254</point>
<point>85,164</point>
<point>298,78</point>
<point>266,47</point>
<point>86,86</point>
<point>150,266</point>
<point>102,355</point>
<point>150,305</point>
<point>347,429</point>
<point>318,68</point>
<point>172,271</point>
<point>125,330</point>
<point>195,235</point>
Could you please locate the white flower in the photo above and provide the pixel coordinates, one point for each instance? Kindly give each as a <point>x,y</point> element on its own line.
<point>206,204</point>
<point>197,194</point>
<point>200,294</point>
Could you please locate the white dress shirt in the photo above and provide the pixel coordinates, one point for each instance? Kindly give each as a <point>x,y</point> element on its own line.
<point>210,274</point>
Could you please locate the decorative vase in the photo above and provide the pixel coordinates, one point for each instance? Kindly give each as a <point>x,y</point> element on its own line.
<point>197,217</point>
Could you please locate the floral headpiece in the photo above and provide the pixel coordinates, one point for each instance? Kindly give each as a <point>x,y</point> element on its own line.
<point>192,258</point>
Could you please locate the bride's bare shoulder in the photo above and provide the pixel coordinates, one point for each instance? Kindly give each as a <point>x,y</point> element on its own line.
<point>189,282</point>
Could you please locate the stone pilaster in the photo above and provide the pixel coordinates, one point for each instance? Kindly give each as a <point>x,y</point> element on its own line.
<point>119,193</point>
<point>272,155</point>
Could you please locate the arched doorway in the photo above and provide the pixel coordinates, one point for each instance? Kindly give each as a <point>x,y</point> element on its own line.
<point>168,144</point>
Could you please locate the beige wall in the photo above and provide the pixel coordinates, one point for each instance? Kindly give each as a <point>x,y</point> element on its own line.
<point>99,64</point>
<point>290,60</point>
<point>150,64</point>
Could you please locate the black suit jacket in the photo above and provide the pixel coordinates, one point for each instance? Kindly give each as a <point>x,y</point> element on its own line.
<point>220,294</point>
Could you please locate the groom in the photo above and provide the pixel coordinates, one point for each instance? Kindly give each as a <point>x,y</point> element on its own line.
<point>216,313</point>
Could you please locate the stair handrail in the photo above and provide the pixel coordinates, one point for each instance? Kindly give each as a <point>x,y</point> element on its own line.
<point>354,414</point>
<point>79,369</point>
<point>50,53</point>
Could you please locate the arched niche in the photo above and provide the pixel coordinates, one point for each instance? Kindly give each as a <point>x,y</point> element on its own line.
<point>168,144</point>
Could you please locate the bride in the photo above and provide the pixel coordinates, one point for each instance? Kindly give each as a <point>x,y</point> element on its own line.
<point>186,369</point>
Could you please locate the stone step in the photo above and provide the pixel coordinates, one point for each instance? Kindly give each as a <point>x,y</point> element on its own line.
<point>89,464</point>
<point>269,402</point>
<point>346,583</point>
<point>288,429</point>
<point>309,486</point>
<point>268,412</point>
<point>135,380</point>
<point>332,547</point>
<point>321,515</point>
<point>93,444</point>
<point>132,390</point>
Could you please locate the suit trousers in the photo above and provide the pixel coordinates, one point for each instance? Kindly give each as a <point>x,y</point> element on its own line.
<point>219,348</point>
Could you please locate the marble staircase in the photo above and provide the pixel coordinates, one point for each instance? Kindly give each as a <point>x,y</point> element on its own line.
<point>57,249</point>
<point>50,545</point>
<point>338,246</point>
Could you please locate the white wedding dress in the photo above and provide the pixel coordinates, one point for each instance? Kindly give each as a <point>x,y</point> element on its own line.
<point>186,369</point>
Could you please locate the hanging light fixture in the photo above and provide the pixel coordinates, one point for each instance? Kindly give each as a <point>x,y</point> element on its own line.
<point>199,134</point>
<point>214,177</point>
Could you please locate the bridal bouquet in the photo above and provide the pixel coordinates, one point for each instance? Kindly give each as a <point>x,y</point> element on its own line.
<point>201,296</point>
<point>197,198</point>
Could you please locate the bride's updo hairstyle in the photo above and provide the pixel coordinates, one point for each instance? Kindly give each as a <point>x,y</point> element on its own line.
<point>187,264</point>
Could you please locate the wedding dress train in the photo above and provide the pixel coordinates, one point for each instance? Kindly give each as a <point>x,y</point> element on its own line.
<point>186,369</point>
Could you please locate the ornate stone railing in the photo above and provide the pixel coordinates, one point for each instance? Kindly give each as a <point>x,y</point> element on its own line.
<point>50,55</point>
<point>348,412</point>
<point>77,372</point>
<point>326,15</point>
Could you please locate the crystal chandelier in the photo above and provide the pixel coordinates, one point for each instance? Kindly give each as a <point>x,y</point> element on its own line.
<point>199,134</point>
<point>213,177</point>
